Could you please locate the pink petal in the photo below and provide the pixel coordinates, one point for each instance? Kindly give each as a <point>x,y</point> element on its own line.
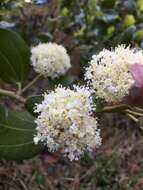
<point>137,73</point>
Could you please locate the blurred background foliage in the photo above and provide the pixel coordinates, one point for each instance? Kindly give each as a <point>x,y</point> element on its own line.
<point>94,23</point>
<point>90,24</point>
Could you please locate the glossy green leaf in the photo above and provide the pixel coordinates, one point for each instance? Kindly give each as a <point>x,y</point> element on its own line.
<point>17,130</point>
<point>129,20</point>
<point>14,56</point>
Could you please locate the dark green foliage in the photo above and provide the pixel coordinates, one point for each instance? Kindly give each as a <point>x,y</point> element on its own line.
<point>14,57</point>
<point>98,17</point>
<point>17,130</point>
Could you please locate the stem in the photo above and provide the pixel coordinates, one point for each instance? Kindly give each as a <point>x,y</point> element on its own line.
<point>115,108</point>
<point>139,109</point>
<point>132,117</point>
<point>13,95</point>
<point>134,113</point>
<point>31,83</point>
<point>19,88</point>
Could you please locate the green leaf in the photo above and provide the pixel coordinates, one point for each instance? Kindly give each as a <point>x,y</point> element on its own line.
<point>92,7</point>
<point>65,12</point>
<point>31,103</point>
<point>138,35</point>
<point>129,20</point>
<point>16,135</point>
<point>140,5</point>
<point>14,57</point>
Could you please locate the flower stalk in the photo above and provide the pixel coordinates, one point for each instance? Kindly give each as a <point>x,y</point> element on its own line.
<point>132,117</point>
<point>13,95</point>
<point>132,112</point>
<point>31,83</point>
<point>114,108</point>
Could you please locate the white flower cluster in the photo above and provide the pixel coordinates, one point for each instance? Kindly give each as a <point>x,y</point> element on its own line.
<point>109,72</point>
<point>50,59</point>
<point>28,1</point>
<point>65,123</point>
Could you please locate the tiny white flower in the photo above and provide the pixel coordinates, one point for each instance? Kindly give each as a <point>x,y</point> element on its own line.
<point>36,139</point>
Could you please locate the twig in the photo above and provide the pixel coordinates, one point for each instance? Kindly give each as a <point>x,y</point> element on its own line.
<point>114,108</point>
<point>31,83</point>
<point>23,184</point>
<point>13,95</point>
<point>23,13</point>
<point>19,88</point>
<point>133,112</point>
<point>139,109</point>
<point>132,117</point>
